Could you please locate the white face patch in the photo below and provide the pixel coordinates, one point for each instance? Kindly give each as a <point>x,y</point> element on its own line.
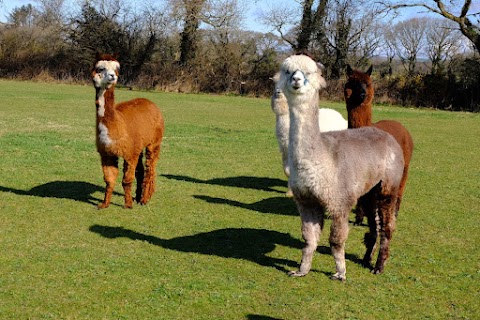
<point>105,73</point>
<point>103,134</point>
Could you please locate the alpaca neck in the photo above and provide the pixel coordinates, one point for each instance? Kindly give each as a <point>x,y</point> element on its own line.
<point>105,102</point>
<point>361,115</point>
<point>305,139</point>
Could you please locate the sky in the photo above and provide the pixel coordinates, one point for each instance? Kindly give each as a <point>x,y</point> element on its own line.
<point>253,10</point>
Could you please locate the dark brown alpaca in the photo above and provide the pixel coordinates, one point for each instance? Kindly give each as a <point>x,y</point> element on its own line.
<point>359,96</point>
<point>125,130</point>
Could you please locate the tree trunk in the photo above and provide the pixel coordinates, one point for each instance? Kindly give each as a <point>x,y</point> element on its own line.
<point>188,42</point>
<point>311,23</point>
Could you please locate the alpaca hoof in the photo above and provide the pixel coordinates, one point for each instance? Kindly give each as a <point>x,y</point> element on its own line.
<point>377,270</point>
<point>297,273</point>
<point>128,206</point>
<point>289,194</point>
<point>339,277</point>
<point>102,205</point>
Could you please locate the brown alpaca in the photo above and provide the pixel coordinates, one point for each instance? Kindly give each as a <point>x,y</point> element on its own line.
<point>359,96</point>
<point>124,130</point>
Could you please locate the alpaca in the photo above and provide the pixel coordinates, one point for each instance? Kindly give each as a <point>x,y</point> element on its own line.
<point>124,130</point>
<point>330,171</point>
<point>359,93</point>
<point>329,120</point>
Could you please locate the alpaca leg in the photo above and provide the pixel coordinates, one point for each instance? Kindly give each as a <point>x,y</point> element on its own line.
<point>312,225</point>
<point>360,211</point>
<point>129,167</point>
<point>286,170</point>
<point>401,189</point>
<point>386,215</point>
<point>369,205</point>
<point>151,155</point>
<point>338,236</point>
<point>139,175</point>
<point>110,172</point>
<point>370,239</point>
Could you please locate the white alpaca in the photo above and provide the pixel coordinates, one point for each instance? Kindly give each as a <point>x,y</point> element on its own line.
<point>328,120</point>
<point>331,120</point>
<point>330,171</point>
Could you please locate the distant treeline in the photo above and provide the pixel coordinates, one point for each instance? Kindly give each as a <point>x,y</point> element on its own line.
<point>183,50</point>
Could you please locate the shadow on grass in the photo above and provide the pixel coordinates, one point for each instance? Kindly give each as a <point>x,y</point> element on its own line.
<point>74,190</point>
<point>259,317</point>
<point>239,243</point>
<point>246,182</point>
<point>275,205</point>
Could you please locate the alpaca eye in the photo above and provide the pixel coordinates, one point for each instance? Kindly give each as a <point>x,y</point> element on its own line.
<point>100,69</point>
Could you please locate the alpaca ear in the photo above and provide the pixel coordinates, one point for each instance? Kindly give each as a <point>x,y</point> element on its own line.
<point>369,71</point>
<point>349,70</point>
<point>276,77</point>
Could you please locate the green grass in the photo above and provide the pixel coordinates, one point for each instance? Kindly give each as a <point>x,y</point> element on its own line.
<point>218,236</point>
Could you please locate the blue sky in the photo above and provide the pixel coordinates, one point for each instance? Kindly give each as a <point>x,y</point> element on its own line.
<point>252,12</point>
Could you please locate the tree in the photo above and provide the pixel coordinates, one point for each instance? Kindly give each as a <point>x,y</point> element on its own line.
<point>189,36</point>
<point>441,43</point>
<point>350,35</point>
<point>111,29</point>
<point>33,40</point>
<point>23,16</point>
<point>52,13</point>
<point>226,42</point>
<point>311,23</point>
<point>408,37</point>
<point>463,18</point>
<point>298,34</point>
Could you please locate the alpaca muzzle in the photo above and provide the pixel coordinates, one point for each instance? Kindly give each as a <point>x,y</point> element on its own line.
<point>111,78</point>
<point>298,79</point>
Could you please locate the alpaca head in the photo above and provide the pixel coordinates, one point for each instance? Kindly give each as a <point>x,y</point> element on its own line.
<point>359,87</point>
<point>278,101</point>
<point>300,75</point>
<point>105,71</point>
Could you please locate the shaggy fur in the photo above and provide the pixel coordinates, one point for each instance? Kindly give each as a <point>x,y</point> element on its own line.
<point>359,93</point>
<point>328,120</point>
<point>330,171</point>
<point>124,130</point>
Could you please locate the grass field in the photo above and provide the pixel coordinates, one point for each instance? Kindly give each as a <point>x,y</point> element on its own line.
<point>218,237</point>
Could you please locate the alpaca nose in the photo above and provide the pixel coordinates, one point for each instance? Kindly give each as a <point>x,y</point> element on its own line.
<point>297,76</point>
<point>111,76</point>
